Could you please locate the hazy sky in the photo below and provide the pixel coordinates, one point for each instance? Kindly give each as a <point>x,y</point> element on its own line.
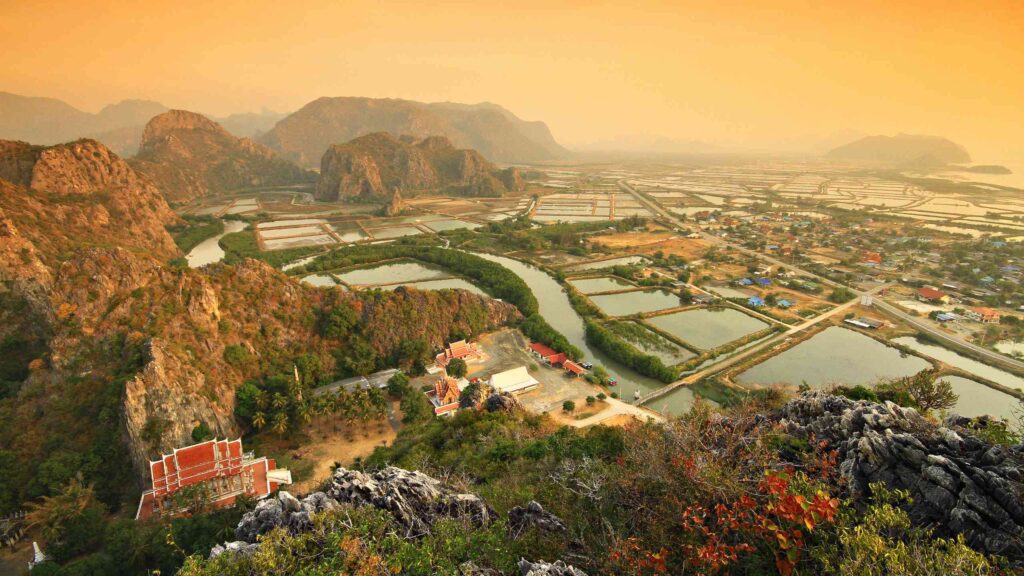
<point>750,74</point>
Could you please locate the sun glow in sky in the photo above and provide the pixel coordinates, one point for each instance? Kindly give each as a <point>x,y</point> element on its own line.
<point>781,75</point>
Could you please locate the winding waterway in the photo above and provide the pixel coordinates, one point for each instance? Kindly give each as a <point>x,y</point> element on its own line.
<point>559,313</point>
<point>209,251</point>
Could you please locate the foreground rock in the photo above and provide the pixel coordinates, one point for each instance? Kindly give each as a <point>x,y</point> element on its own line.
<point>959,484</point>
<point>416,502</point>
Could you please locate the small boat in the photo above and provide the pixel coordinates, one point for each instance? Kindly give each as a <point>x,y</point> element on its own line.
<point>636,394</point>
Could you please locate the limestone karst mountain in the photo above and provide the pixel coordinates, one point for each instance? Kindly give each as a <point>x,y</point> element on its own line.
<point>372,166</point>
<point>902,149</point>
<point>188,155</point>
<point>495,132</point>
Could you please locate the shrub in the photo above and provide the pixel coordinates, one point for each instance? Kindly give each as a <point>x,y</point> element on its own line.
<point>568,406</point>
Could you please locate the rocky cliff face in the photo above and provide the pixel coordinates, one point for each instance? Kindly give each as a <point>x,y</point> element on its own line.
<point>164,332</point>
<point>372,166</point>
<point>80,194</point>
<point>958,483</point>
<point>305,135</point>
<point>188,155</point>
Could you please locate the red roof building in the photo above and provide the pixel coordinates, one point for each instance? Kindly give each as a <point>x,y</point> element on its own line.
<point>445,395</point>
<point>872,257</point>
<point>932,295</point>
<point>542,350</point>
<point>219,467</point>
<point>461,349</point>
<point>574,368</point>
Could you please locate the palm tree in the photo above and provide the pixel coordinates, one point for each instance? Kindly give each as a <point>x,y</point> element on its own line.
<point>259,420</point>
<point>306,412</point>
<point>280,424</point>
<point>280,401</point>
<point>54,512</point>
<point>261,399</point>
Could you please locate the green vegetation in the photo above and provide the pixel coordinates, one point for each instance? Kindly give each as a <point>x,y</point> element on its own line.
<point>648,500</point>
<point>841,295</point>
<point>492,277</point>
<point>609,343</point>
<point>193,230</point>
<point>238,246</point>
<point>456,368</point>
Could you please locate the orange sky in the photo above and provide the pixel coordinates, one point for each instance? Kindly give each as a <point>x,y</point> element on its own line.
<point>767,75</point>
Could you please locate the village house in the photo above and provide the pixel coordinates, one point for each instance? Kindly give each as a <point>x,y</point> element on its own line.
<point>218,468</point>
<point>983,315</point>
<point>445,396</point>
<point>927,294</point>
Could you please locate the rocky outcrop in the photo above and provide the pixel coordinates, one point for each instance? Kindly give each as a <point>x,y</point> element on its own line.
<point>61,198</point>
<point>498,134</point>
<point>371,166</point>
<point>414,500</point>
<point>188,155</point>
<point>533,516</point>
<point>958,483</point>
<point>541,568</point>
<point>484,396</point>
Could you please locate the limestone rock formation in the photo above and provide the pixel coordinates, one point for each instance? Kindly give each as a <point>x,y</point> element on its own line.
<point>498,134</point>
<point>541,568</point>
<point>416,502</point>
<point>188,155</point>
<point>368,167</point>
<point>533,516</point>
<point>959,484</point>
<point>79,194</point>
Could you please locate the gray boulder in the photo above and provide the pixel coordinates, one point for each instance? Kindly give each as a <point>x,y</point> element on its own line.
<point>541,568</point>
<point>533,515</point>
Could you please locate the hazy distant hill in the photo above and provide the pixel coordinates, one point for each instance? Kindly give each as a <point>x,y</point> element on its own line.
<point>904,149</point>
<point>372,166</point>
<point>118,126</point>
<point>488,128</point>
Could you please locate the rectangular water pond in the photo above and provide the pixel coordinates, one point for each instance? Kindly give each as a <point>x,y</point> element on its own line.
<point>398,232</point>
<point>649,342</point>
<point>391,273</point>
<point>600,284</point>
<point>637,302</point>
<point>442,225</point>
<point>708,328</point>
<point>623,261</point>
<point>976,399</point>
<point>349,233</point>
<point>834,356</point>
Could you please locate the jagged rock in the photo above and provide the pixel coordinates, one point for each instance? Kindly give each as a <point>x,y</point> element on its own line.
<point>533,515</point>
<point>503,402</point>
<point>959,484</point>
<point>236,547</point>
<point>541,568</point>
<point>414,499</point>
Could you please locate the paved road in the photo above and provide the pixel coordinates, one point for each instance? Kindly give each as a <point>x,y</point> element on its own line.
<point>618,408</point>
<point>917,323</point>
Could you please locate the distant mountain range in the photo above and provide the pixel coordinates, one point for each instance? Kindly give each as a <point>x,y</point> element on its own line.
<point>495,132</point>
<point>303,136</point>
<point>904,150</point>
<point>119,126</point>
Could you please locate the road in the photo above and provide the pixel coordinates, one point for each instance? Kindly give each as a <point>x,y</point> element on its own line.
<point>618,408</point>
<point>931,330</point>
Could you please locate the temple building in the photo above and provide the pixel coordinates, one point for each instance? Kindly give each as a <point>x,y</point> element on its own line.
<point>445,396</point>
<point>219,469</point>
<point>514,381</point>
<point>465,350</point>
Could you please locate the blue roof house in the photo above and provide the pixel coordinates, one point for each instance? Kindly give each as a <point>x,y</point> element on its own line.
<point>755,301</point>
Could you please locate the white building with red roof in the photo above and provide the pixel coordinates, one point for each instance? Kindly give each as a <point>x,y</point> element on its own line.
<point>221,469</point>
